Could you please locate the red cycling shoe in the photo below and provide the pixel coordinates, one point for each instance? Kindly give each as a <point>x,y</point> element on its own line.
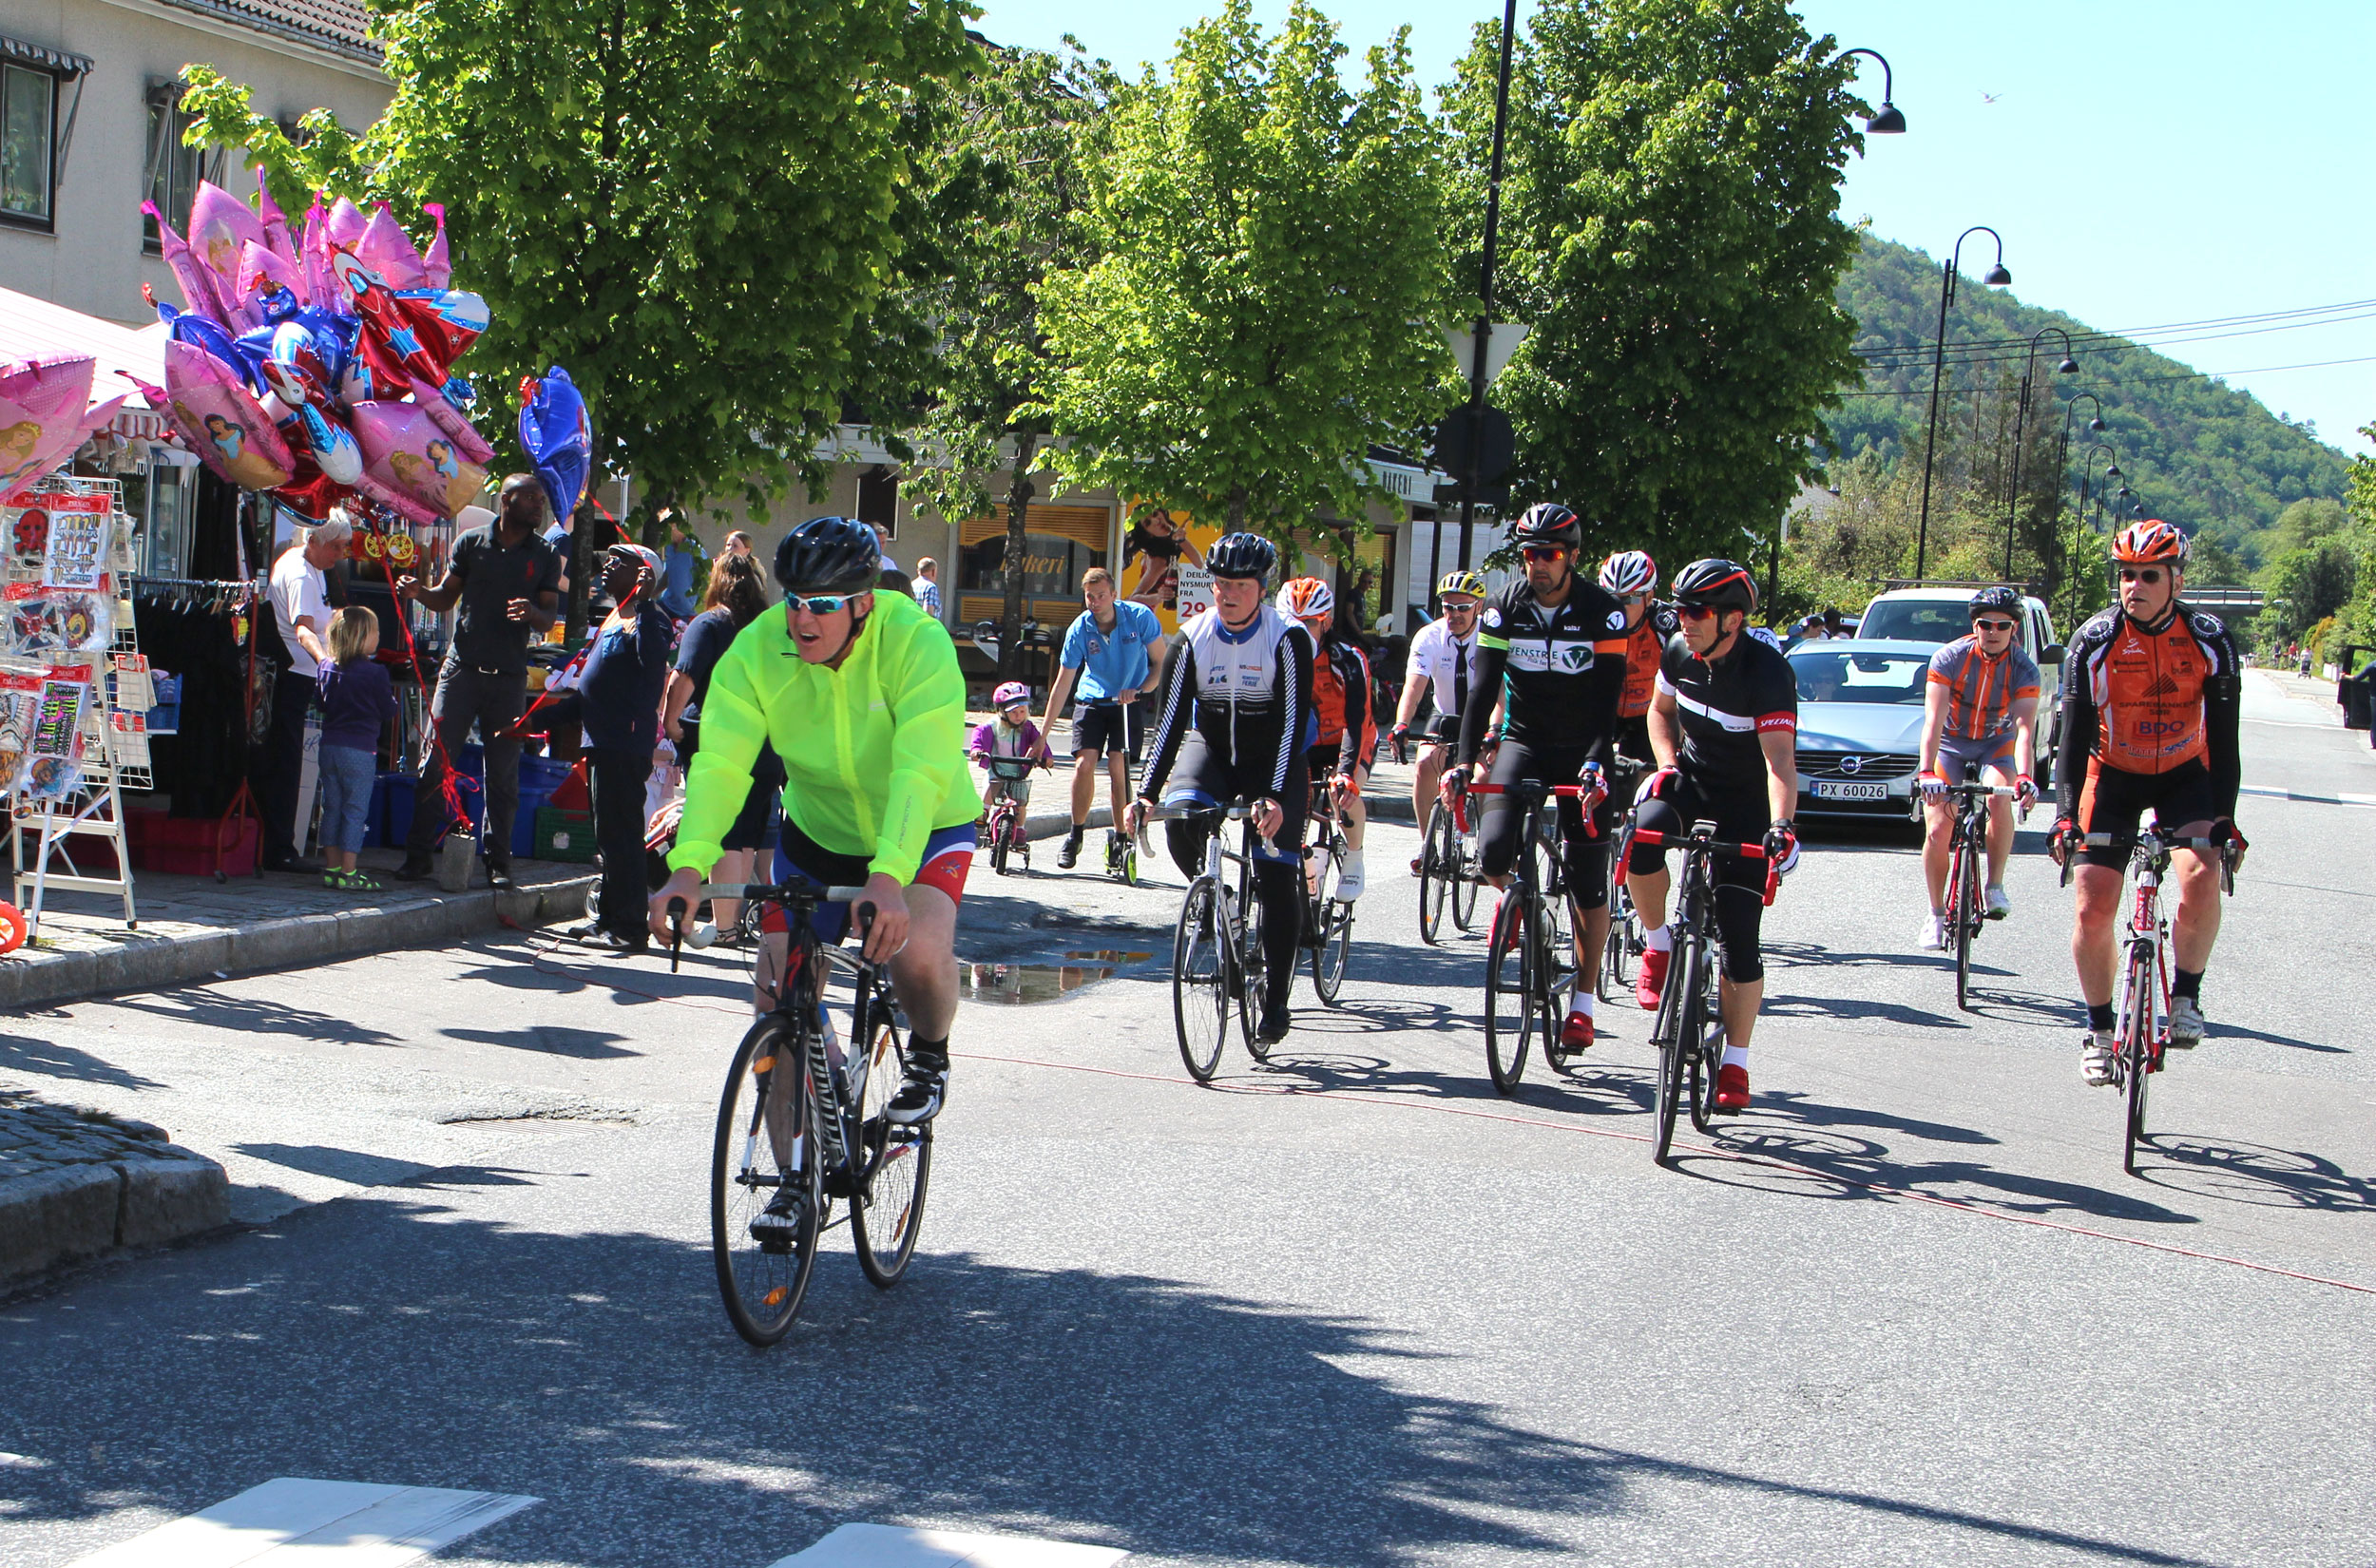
<point>1575,1034</point>
<point>1732,1087</point>
<point>1651,979</point>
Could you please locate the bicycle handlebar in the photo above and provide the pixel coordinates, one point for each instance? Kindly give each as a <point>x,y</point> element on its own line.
<point>1657,838</point>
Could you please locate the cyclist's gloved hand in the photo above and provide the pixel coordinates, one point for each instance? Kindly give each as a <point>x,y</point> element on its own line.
<point>1782,846</point>
<point>1932,785</point>
<point>1595,785</point>
<point>1658,785</point>
<point>2025,792</point>
<point>2061,839</point>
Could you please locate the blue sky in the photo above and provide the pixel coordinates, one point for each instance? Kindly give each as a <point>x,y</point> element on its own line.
<point>2147,163</point>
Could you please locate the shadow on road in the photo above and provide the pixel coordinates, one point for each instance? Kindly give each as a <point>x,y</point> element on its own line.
<point>47,1059</point>
<point>2255,1174</point>
<point>204,1008</point>
<point>596,1371</point>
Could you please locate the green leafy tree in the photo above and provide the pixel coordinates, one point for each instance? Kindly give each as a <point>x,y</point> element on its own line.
<point>1010,144</point>
<point>1267,282</point>
<point>691,203</point>
<point>2305,586</point>
<point>1670,229</point>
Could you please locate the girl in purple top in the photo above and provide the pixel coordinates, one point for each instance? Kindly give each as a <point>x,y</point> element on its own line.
<point>357,703</point>
<point>1009,746</point>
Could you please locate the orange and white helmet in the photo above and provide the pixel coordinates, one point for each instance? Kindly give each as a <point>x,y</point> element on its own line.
<point>1306,599</point>
<point>2150,542</point>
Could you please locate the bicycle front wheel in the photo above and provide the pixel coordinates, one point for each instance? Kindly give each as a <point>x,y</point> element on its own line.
<point>1511,1005</point>
<point>1253,975</point>
<point>1201,979</point>
<point>1467,878</point>
<point>998,847</point>
<point>760,1156</point>
<point>1963,920</point>
<point>1335,954</point>
<point>2139,1036</point>
<point>1438,859</point>
<point>1675,1047</point>
<point>1704,1038</point>
<point>895,1166</point>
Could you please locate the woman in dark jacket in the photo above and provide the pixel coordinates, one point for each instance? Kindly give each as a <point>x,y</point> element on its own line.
<point>735,598</point>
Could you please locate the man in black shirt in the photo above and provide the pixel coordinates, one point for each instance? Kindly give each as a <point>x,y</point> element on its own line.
<point>1724,730</point>
<point>1554,643</point>
<point>507,581</point>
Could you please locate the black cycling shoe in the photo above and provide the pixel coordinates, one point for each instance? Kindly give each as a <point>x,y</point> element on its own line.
<point>1070,856</point>
<point>776,1227</point>
<point>1275,1022</point>
<point>919,1096</point>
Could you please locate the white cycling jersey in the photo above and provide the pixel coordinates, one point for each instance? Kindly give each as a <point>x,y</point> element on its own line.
<point>1449,663</point>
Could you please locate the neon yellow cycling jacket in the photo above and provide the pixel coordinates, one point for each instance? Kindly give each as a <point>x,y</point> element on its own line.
<point>874,753</point>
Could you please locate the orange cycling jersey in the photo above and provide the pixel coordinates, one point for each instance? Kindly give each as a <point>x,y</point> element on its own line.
<point>1981,691</point>
<point>1643,645</point>
<point>2147,687</point>
<point>1342,668</point>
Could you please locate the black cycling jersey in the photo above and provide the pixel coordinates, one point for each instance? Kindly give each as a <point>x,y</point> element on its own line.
<point>1560,671</point>
<point>1724,707</point>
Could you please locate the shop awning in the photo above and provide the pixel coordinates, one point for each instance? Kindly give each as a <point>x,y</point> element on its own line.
<point>35,329</point>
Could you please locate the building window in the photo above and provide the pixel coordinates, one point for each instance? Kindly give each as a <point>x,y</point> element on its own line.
<point>878,498</point>
<point>174,170</point>
<point>28,112</point>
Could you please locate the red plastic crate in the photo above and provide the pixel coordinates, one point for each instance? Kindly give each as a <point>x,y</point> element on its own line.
<point>186,845</point>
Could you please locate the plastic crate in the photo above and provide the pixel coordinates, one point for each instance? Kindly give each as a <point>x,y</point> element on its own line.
<point>186,845</point>
<point>563,836</point>
<point>397,801</point>
<point>533,799</point>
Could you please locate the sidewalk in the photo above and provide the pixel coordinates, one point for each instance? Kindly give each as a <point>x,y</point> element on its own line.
<point>76,1184</point>
<point>194,928</point>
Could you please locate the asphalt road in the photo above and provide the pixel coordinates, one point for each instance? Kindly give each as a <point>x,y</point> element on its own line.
<point>1354,1309</point>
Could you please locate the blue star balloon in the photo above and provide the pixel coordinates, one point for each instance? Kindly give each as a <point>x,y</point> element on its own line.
<point>557,437</point>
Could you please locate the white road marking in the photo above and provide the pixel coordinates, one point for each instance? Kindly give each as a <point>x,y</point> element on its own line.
<point>2345,799</point>
<point>337,1523</point>
<point>891,1546</point>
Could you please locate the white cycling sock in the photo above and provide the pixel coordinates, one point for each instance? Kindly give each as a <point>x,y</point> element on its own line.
<point>1658,941</point>
<point>1736,1055</point>
<point>1583,1002</point>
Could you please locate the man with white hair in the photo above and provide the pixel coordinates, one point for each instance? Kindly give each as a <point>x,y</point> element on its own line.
<point>300,607</point>
<point>507,581</point>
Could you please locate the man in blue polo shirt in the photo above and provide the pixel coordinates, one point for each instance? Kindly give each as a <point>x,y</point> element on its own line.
<point>1114,654</point>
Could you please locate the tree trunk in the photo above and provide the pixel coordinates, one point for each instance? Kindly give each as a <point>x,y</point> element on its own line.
<point>580,564</point>
<point>1236,508</point>
<point>1019,496</point>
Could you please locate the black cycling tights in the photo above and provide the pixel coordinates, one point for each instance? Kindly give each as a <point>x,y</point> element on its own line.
<point>1740,883</point>
<point>1274,889</point>
<point>1586,860</point>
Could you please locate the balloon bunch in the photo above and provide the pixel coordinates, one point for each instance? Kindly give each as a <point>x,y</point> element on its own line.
<point>45,412</point>
<point>318,364</point>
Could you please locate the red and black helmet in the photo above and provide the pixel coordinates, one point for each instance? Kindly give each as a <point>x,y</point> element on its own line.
<point>1547,523</point>
<point>1721,585</point>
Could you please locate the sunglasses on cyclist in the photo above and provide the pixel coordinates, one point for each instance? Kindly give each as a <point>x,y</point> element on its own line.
<point>1695,612</point>
<point>1539,553</point>
<point>819,603</point>
<point>1994,625</point>
<point>2147,575</point>
<point>1455,606</point>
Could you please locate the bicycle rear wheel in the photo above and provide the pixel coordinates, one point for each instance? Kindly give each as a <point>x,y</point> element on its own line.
<point>1703,1036</point>
<point>998,846</point>
<point>1334,953</point>
<point>896,1164</point>
<point>2139,1036</point>
<point>1510,1003</point>
<point>758,1153</point>
<point>1467,878</point>
<point>1201,979</point>
<point>1438,857</point>
<point>1963,919</point>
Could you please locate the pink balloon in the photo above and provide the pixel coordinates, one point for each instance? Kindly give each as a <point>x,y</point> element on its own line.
<point>404,452</point>
<point>277,235</point>
<point>449,419</point>
<point>345,225</point>
<point>201,290</point>
<point>220,224</point>
<point>43,410</point>
<point>217,418</point>
<point>387,251</point>
<point>436,263</point>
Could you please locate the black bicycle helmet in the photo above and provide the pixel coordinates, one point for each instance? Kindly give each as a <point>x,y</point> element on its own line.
<point>1241,555</point>
<point>1547,523</point>
<point>2000,598</point>
<point>828,555</point>
<point>1723,585</point>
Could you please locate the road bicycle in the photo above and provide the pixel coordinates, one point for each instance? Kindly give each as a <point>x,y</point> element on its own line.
<point>2141,1012</point>
<point>1218,966</point>
<point>1327,921</point>
<point>1449,871</point>
<point>1688,1031</point>
<point>803,1125</point>
<point>1967,865</point>
<point>1529,968</point>
<point>1005,823</point>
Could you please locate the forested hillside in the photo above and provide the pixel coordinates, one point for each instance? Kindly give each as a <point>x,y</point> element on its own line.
<point>2198,451</point>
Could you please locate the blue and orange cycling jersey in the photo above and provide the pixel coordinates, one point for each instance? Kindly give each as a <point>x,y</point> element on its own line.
<point>1981,690</point>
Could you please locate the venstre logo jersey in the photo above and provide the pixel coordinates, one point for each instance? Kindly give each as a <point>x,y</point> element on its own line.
<point>1547,656</point>
<point>2147,686</point>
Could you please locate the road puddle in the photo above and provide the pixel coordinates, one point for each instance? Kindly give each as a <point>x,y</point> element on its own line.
<point>1018,984</point>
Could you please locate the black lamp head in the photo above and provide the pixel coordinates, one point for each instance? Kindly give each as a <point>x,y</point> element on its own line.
<point>1889,122</point>
<point>2068,366</point>
<point>1997,276</point>
<point>2096,423</point>
<point>2114,472</point>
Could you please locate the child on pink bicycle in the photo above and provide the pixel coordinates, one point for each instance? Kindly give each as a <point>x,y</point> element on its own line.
<point>1010,746</point>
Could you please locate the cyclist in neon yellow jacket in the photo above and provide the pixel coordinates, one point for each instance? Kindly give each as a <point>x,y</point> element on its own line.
<point>860,695</point>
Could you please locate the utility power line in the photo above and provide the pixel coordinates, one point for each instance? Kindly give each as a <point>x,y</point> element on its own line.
<point>2191,375</point>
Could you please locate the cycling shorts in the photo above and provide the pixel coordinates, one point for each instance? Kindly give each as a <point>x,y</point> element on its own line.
<point>1739,818</point>
<point>1202,781</point>
<point>2113,799</point>
<point>1585,862</point>
<point>800,860</point>
<point>1101,729</point>
<point>1962,759</point>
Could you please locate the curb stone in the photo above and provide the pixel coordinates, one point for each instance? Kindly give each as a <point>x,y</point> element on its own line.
<point>78,1184</point>
<point>148,964</point>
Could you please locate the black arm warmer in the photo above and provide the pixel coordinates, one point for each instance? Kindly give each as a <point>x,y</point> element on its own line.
<point>1485,686</point>
<point>2223,706</point>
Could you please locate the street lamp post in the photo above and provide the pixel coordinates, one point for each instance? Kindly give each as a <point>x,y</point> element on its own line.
<point>2021,418</point>
<point>1483,332</point>
<point>2087,483</point>
<point>1890,121</point>
<point>2062,457</point>
<point>1995,277</point>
